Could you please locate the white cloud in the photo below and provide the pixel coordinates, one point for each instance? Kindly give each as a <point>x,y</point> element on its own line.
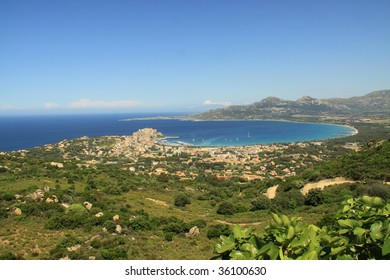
<point>8,107</point>
<point>221,103</point>
<point>50,105</point>
<point>95,104</point>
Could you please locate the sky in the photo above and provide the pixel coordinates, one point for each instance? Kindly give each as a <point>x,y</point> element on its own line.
<point>96,56</point>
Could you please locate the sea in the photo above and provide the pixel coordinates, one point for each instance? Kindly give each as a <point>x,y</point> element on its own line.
<point>23,132</point>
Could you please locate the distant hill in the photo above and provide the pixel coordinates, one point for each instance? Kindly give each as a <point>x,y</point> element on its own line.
<point>374,103</point>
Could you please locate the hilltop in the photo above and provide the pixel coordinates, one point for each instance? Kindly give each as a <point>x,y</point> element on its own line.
<point>373,105</point>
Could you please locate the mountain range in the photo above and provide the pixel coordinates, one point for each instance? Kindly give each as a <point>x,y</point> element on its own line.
<point>376,103</point>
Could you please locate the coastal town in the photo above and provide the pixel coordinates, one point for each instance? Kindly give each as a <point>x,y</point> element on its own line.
<point>147,152</point>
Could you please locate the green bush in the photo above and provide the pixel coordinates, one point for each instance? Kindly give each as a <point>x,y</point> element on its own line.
<point>8,197</point>
<point>182,200</point>
<point>8,256</point>
<point>114,254</point>
<point>260,203</point>
<point>314,197</point>
<point>226,208</point>
<point>109,225</point>
<point>215,231</point>
<point>168,236</point>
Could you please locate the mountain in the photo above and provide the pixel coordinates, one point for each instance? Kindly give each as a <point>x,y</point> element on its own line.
<point>375,103</point>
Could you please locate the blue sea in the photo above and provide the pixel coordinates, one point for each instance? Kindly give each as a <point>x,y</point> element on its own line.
<point>22,132</point>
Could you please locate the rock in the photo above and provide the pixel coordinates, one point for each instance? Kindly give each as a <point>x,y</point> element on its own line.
<point>92,258</point>
<point>104,230</point>
<point>46,189</point>
<point>49,200</point>
<point>57,164</point>
<point>17,211</point>
<point>65,205</point>
<point>87,205</point>
<point>194,231</point>
<point>74,248</point>
<point>99,215</point>
<point>66,258</point>
<point>55,198</point>
<point>118,229</point>
<point>115,218</point>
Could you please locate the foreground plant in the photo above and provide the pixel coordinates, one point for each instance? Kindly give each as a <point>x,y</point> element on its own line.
<point>360,230</point>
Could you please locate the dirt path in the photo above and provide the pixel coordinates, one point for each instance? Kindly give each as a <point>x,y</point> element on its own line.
<point>324,183</point>
<point>240,224</point>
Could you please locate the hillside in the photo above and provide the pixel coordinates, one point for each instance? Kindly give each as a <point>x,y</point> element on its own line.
<point>374,104</point>
<point>132,197</point>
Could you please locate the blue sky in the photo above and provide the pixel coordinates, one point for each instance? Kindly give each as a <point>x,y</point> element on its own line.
<point>87,56</point>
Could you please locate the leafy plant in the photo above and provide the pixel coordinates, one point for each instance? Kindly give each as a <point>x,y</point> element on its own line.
<point>361,230</point>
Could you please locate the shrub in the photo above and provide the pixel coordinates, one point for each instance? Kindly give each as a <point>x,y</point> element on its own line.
<point>114,254</point>
<point>182,200</point>
<point>261,203</point>
<point>314,197</point>
<point>226,208</point>
<point>168,236</point>
<point>76,209</point>
<point>8,197</point>
<point>140,223</point>
<point>8,256</point>
<point>216,231</point>
<point>109,225</point>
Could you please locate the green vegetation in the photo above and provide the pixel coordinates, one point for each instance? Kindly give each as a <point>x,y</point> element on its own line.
<point>122,208</point>
<point>359,230</point>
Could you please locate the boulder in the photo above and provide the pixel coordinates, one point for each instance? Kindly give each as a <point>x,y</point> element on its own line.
<point>118,229</point>
<point>194,231</point>
<point>87,205</point>
<point>74,248</point>
<point>99,215</point>
<point>17,211</point>
<point>65,205</point>
<point>116,218</point>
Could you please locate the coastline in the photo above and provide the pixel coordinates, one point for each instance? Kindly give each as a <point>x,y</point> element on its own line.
<point>354,131</point>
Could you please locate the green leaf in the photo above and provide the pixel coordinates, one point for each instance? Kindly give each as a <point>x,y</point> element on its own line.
<point>273,252</point>
<point>359,231</point>
<point>276,219</point>
<point>376,231</point>
<point>238,255</point>
<point>386,247</point>
<point>223,248</point>
<point>286,221</point>
<point>377,202</point>
<point>290,232</point>
<point>252,250</point>
<point>349,223</point>
<point>337,250</point>
<point>346,208</point>
<point>265,248</point>
<point>241,233</point>
<point>310,255</point>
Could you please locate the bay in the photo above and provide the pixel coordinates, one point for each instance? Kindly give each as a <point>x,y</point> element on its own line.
<point>23,132</point>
